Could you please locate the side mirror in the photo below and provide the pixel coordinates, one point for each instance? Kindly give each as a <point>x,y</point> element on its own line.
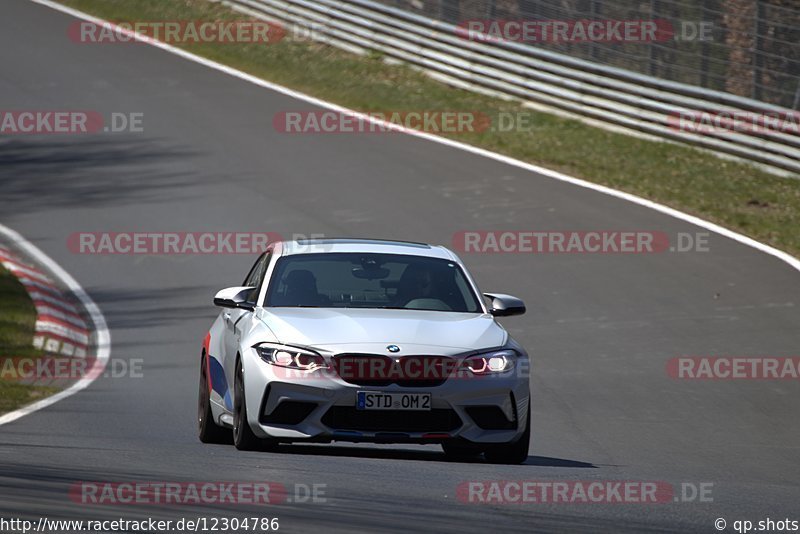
<point>505,305</point>
<point>235,297</point>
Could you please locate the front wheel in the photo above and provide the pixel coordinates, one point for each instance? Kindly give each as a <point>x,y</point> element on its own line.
<point>207,430</point>
<point>515,452</point>
<point>243,437</point>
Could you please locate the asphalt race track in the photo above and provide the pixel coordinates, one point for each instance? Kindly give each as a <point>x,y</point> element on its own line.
<point>601,327</point>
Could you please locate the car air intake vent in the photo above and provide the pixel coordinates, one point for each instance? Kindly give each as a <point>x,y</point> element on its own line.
<point>490,418</point>
<point>348,418</point>
<point>289,413</point>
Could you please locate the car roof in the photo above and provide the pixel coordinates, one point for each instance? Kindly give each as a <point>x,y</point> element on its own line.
<point>349,244</point>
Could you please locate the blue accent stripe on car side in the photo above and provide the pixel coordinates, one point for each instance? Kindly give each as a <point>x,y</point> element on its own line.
<point>218,382</point>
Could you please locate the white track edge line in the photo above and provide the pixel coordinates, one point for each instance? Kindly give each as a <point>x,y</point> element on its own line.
<point>101,329</point>
<point>697,221</point>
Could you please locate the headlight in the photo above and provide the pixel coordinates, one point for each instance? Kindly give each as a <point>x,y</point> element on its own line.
<point>491,362</point>
<point>290,357</point>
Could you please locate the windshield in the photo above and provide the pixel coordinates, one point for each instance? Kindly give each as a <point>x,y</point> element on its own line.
<point>356,280</point>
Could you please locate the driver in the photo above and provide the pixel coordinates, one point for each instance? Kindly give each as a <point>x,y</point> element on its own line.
<point>415,283</point>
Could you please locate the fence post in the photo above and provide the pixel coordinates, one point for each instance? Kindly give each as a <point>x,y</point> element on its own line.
<point>652,68</point>
<point>758,58</point>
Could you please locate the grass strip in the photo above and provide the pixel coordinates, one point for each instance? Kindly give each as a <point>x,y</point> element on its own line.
<point>17,322</point>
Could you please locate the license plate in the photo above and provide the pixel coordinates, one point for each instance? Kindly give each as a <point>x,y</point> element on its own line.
<point>376,400</point>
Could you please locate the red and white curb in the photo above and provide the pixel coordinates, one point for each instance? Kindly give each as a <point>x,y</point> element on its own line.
<point>60,325</point>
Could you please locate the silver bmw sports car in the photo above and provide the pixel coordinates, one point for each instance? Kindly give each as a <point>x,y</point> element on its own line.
<point>364,340</point>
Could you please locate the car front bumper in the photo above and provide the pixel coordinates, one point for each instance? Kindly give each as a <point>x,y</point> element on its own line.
<point>321,406</point>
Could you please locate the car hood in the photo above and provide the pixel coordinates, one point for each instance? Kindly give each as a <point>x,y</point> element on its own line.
<point>371,330</point>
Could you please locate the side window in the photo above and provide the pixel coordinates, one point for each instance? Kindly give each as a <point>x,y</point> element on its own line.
<point>252,277</point>
<point>256,276</point>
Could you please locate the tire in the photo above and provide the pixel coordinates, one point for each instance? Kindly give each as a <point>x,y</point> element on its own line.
<point>459,451</point>
<point>207,430</point>
<point>515,452</point>
<point>243,437</point>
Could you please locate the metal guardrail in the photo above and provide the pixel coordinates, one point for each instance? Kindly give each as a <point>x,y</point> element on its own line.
<point>600,92</point>
<point>746,47</point>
